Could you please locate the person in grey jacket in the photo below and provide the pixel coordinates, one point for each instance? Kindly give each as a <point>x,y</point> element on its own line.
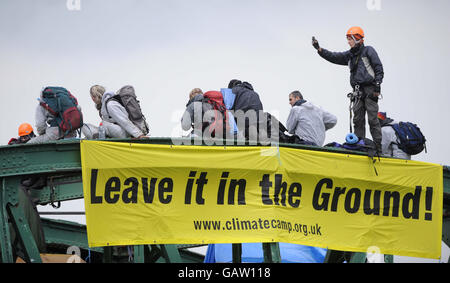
<point>114,116</point>
<point>366,76</point>
<point>194,115</point>
<point>308,121</point>
<point>389,143</point>
<point>46,132</point>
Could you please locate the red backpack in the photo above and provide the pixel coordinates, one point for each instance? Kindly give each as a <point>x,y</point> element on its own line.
<point>215,98</point>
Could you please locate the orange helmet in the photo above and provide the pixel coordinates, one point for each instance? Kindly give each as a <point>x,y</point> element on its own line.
<point>25,129</point>
<point>356,32</point>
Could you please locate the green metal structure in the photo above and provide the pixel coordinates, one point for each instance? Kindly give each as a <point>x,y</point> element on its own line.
<point>55,170</point>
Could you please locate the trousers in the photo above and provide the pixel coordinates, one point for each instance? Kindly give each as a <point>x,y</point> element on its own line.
<point>51,134</point>
<point>368,103</point>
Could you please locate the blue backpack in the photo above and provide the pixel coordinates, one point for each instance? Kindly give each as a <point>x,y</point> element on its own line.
<point>410,138</point>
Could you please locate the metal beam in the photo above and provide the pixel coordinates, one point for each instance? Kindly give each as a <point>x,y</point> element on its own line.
<point>20,160</point>
<point>237,253</point>
<point>271,252</point>
<point>66,233</point>
<point>358,258</point>
<point>24,234</point>
<point>60,187</point>
<point>170,253</point>
<point>5,240</point>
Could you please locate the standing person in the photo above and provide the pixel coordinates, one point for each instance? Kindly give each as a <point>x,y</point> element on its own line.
<point>389,143</point>
<point>366,76</point>
<point>308,121</point>
<point>25,134</point>
<point>115,117</point>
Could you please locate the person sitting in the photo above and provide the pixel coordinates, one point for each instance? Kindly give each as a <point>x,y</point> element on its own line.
<point>247,108</point>
<point>115,118</point>
<point>389,141</point>
<point>193,116</point>
<point>25,134</point>
<point>308,121</point>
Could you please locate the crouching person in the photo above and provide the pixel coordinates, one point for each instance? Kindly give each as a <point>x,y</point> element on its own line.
<point>308,121</point>
<point>25,134</point>
<point>58,116</point>
<point>390,142</point>
<point>193,116</point>
<point>120,121</point>
<point>247,109</point>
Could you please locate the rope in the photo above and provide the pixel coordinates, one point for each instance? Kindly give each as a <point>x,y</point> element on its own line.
<point>88,258</point>
<point>130,254</point>
<point>355,98</point>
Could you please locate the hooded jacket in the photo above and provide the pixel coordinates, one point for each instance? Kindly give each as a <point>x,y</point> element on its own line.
<point>363,61</point>
<point>310,122</point>
<point>115,119</point>
<point>389,141</point>
<point>193,115</point>
<point>246,98</point>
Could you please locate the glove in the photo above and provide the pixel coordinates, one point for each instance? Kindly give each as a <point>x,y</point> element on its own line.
<point>377,87</point>
<point>315,43</point>
<point>13,141</point>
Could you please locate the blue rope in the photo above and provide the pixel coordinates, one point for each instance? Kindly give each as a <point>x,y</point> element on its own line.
<point>88,258</point>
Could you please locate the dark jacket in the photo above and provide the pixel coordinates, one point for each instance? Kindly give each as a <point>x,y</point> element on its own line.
<point>363,61</point>
<point>246,98</point>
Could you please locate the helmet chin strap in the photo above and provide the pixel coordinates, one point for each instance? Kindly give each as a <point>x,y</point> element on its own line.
<point>357,41</point>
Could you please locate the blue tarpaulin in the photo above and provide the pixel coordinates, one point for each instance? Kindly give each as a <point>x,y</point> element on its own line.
<point>253,252</point>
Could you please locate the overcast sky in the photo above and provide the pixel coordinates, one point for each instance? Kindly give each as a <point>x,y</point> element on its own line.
<point>164,48</point>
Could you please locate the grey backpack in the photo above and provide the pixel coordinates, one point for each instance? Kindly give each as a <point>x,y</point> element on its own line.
<point>127,98</point>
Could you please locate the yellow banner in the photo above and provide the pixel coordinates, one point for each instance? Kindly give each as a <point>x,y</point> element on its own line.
<point>160,194</point>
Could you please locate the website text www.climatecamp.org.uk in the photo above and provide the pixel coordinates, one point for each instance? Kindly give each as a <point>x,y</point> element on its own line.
<point>236,224</point>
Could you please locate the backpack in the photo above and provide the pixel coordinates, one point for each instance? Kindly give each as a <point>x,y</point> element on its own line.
<point>220,123</point>
<point>126,96</point>
<point>282,136</point>
<point>410,138</point>
<point>59,102</point>
<point>363,145</point>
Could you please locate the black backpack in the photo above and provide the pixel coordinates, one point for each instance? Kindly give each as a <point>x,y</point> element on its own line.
<point>127,98</point>
<point>283,134</point>
<point>410,138</point>
<point>363,145</point>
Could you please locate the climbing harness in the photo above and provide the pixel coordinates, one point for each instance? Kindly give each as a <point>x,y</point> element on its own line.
<point>355,98</point>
